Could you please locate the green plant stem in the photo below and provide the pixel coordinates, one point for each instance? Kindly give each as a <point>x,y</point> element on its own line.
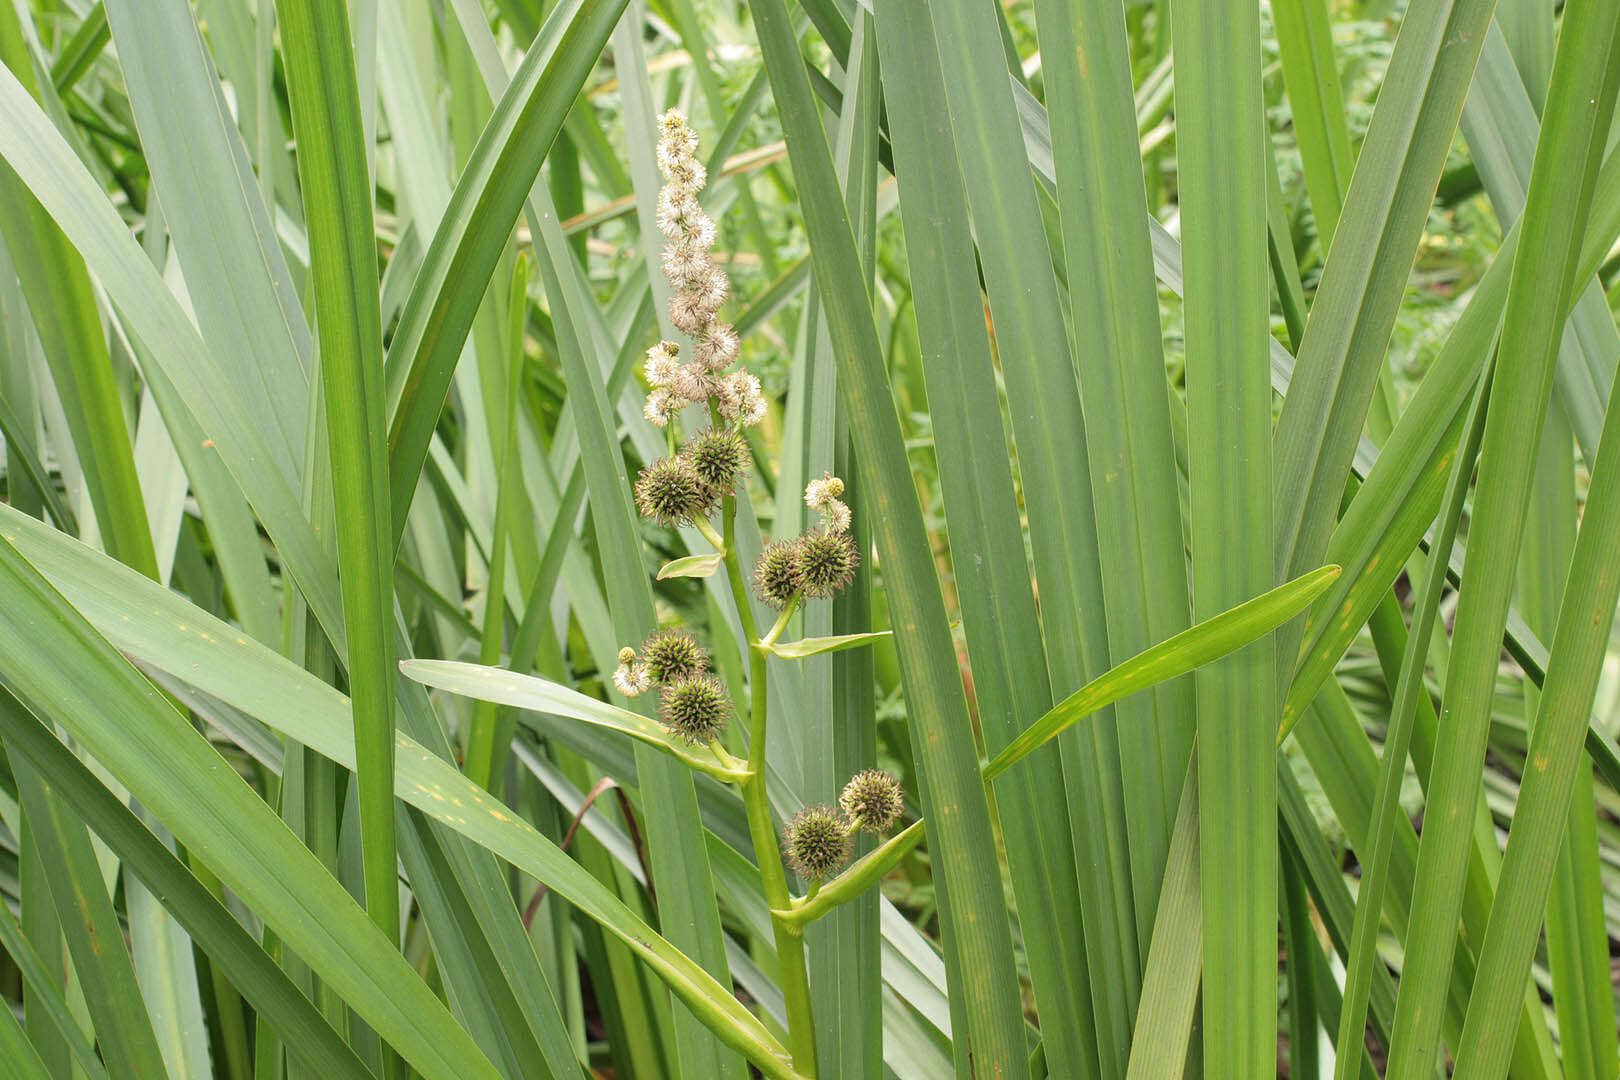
<point>727,546</point>
<point>824,896</point>
<point>761,827</point>
<point>721,545</point>
<point>780,625</point>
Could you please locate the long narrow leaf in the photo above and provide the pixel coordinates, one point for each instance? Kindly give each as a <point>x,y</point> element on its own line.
<point>1119,360</point>
<point>337,208</point>
<point>1548,786</point>
<point>1189,650</point>
<point>214,929</point>
<point>63,308</point>
<point>1221,175</point>
<point>487,200</point>
<point>205,652</point>
<point>94,937</point>
<point>1567,158</point>
<point>975,911</point>
<point>999,616</point>
<point>1365,277</point>
<point>529,692</point>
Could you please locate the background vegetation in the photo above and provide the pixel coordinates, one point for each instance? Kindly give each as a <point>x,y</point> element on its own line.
<point>249,468</point>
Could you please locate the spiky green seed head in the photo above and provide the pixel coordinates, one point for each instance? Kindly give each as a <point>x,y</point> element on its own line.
<point>695,707</point>
<point>816,842</point>
<point>827,562</point>
<point>670,492</point>
<point>720,456</point>
<point>873,800</point>
<point>670,654</point>
<point>777,575</point>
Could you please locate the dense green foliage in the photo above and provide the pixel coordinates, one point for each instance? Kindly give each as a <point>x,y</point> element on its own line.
<point>679,538</point>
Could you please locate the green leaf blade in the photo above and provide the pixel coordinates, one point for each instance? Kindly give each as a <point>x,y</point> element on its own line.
<point>540,695</point>
<point>1562,182</point>
<point>1189,650</point>
<point>336,184</point>
<point>439,312</point>
<point>1222,164</point>
<point>798,650</point>
<point>981,946</point>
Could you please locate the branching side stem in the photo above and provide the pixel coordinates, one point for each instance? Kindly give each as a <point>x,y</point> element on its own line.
<point>761,827</point>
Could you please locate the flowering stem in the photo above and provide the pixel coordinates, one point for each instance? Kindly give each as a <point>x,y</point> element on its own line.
<point>854,881</point>
<point>721,544</point>
<point>782,620</point>
<point>698,290</point>
<point>762,828</point>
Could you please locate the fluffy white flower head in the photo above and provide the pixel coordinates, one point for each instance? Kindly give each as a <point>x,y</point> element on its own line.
<point>698,289</point>
<point>692,382</point>
<point>679,215</point>
<point>662,363</point>
<point>631,676</point>
<point>741,398</point>
<point>818,493</point>
<point>717,348</point>
<point>661,406</point>
<point>674,135</point>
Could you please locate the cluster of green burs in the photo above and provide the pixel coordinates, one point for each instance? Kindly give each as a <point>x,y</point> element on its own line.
<point>693,703</point>
<point>818,840</point>
<point>681,489</point>
<point>819,564</point>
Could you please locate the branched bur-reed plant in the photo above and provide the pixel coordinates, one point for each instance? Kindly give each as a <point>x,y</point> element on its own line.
<point>704,405</point>
<point>705,474</point>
